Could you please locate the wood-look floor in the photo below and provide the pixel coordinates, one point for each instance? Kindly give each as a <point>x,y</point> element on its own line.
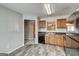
<point>45,50</point>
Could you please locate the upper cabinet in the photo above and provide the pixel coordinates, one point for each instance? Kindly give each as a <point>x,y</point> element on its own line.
<point>42,24</point>
<point>51,25</point>
<point>77,22</point>
<point>70,22</point>
<point>61,23</point>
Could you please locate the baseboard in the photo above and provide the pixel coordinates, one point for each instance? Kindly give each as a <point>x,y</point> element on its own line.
<point>15,49</point>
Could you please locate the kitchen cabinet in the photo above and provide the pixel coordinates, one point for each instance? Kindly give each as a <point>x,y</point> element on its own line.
<point>77,22</point>
<point>47,38</point>
<point>54,39</point>
<point>61,40</point>
<point>51,25</point>
<point>57,40</point>
<point>70,22</point>
<point>67,42</point>
<point>61,23</point>
<point>71,43</point>
<point>42,24</point>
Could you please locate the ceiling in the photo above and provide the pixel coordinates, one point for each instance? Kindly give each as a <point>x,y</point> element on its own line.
<point>37,9</point>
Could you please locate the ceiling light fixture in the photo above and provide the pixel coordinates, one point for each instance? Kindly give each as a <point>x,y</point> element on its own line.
<point>48,9</point>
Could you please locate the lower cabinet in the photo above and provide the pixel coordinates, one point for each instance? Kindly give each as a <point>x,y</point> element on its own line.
<point>71,43</point>
<point>54,39</point>
<point>67,42</point>
<point>60,40</point>
<point>46,39</point>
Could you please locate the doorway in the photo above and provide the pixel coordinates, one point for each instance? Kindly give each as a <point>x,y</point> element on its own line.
<point>29,31</point>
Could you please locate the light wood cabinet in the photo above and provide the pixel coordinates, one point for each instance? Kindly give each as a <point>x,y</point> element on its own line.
<point>42,24</point>
<point>51,25</point>
<point>70,22</point>
<point>54,39</point>
<point>67,42</point>
<point>77,22</point>
<point>71,43</point>
<point>61,40</point>
<point>47,38</point>
<point>61,23</point>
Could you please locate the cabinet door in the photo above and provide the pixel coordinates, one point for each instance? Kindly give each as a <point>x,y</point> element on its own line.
<point>74,44</point>
<point>61,23</point>
<point>47,37</point>
<point>70,21</point>
<point>60,40</point>
<point>67,42</point>
<point>58,23</point>
<point>70,43</point>
<point>52,40</point>
<point>56,40</point>
<point>42,24</point>
<point>77,22</point>
<point>51,25</point>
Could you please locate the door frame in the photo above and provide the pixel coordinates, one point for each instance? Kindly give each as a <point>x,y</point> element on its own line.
<point>34,28</point>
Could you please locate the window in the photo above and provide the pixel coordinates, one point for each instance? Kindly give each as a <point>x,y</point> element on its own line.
<point>70,27</point>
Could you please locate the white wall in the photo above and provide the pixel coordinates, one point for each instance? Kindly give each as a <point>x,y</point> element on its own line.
<point>11,30</point>
<point>25,16</point>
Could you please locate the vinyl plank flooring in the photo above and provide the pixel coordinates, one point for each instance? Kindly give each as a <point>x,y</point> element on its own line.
<point>72,52</point>
<point>46,50</point>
